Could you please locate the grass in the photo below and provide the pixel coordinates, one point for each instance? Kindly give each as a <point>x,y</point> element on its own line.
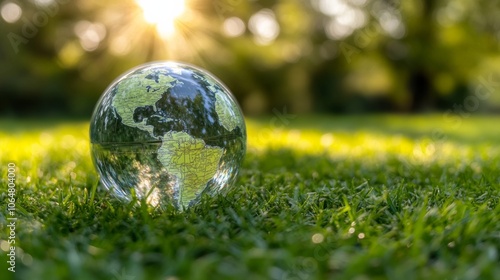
<point>373,197</point>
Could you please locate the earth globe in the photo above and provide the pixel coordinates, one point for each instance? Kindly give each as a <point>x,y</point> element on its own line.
<point>167,133</point>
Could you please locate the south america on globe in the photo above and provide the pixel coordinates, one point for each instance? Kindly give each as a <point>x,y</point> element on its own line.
<point>167,132</point>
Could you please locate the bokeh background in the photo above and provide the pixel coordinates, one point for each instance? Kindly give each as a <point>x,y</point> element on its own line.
<point>296,56</point>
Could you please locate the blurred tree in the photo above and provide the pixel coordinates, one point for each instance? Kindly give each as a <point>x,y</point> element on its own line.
<point>306,55</point>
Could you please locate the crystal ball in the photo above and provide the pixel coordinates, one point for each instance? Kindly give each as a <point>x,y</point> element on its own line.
<point>167,133</point>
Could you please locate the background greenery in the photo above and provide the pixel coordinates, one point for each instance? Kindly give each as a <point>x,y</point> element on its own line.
<point>307,55</point>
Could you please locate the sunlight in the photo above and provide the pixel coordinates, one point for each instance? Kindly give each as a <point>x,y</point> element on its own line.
<point>162,14</point>
<point>11,12</point>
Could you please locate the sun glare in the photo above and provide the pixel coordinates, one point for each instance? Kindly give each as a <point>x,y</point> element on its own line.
<point>162,13</point>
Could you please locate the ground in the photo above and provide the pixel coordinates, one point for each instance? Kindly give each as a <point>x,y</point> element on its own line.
<point>371,197</point>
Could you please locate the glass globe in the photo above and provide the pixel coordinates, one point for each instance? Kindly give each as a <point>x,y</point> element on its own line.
<point>167,132</point>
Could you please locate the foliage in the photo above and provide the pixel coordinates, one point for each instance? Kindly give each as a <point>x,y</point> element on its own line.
<point>311,55</point>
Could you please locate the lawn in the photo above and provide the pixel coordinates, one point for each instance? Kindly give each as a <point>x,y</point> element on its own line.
<point>345,197</point>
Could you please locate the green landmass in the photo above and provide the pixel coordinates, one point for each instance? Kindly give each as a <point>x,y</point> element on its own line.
<point>226,117</point>
<point>191,162</point>
<point>138,91</point>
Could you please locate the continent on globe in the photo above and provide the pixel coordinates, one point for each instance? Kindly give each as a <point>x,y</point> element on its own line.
<point>226,116</point>
<point>191,162</point>
<point>140,90</point>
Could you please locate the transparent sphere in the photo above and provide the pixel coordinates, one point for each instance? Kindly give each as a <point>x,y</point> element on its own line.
<point>167,132</point>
